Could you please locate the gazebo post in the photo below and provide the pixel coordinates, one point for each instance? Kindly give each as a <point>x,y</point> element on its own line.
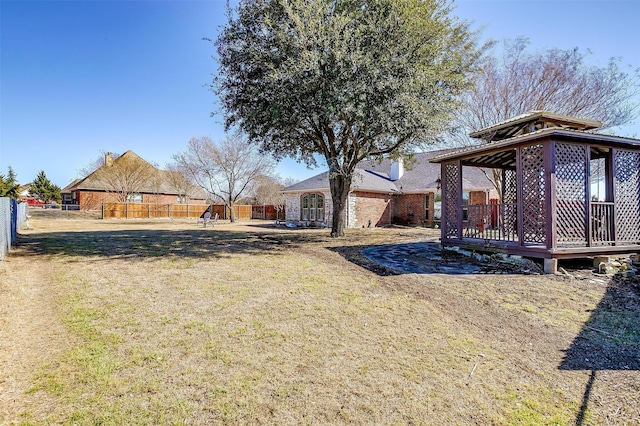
<point>443,205</point>
<point>519,207</point>
<point>460,215</point>
<point>550,198</point>
<point>610,172</point>
<point>588,222</point>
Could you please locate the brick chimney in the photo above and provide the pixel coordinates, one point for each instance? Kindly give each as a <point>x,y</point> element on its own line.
<point>108,159</point>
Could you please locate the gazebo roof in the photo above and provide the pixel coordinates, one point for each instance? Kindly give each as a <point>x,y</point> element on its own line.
<point>530,122</point>
<point>498,155</point>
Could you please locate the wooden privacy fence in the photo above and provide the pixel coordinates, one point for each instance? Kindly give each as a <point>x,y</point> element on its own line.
<point>241,211</point>
<point>174,211</point>
<point>150,210</point>
<point>268,212</point>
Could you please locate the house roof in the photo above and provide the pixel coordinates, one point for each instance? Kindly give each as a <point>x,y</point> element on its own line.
<point>419,177</point>
<point>23,190</point>
<point>363,180</point>
<point>71,186</point>
<point>531,122</point>
<point>93,181</point>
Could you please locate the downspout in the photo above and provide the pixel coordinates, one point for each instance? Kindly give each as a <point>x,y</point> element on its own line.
<point>392,205</point>
<point>348,214</point>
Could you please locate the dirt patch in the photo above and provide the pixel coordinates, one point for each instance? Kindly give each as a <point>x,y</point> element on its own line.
<point>31,334</point>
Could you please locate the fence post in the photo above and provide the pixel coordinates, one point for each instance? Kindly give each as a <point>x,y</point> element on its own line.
<point>14,219</point>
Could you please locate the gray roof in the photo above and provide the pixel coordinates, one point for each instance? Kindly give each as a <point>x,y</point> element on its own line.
<point>363,180</point>
<point>419,177</point>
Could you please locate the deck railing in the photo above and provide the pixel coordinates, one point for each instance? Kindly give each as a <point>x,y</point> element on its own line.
<point>497,222</point>
<point>602,215</point>
<point>491,222</point>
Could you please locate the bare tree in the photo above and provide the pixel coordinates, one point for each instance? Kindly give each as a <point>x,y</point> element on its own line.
<point>125,176</point>
<point>553,80</point>
<point>175,177</point>
<point>97,163</point>
<point>227,170</point>
<point>268,191</point>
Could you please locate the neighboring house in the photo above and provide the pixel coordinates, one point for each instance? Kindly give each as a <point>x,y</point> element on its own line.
<point>129,178</point>
<point>23,193</point>
<point>566,192</point>
<point>384,193</point>
<point>25,197</point>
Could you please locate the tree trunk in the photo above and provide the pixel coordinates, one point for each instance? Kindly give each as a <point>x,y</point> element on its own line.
<point>232,213</point>
<point>339,185</point>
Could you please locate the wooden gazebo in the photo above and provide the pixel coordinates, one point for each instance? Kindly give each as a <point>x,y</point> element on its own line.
<point>565,192</point>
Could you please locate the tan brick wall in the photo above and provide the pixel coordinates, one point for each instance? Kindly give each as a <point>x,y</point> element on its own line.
<point>409,209</point>
<point>92,200</point>
<point>371,208</point>
<point>477,197</point>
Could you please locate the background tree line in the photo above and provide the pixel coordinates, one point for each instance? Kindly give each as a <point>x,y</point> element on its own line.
<point>41,188</point>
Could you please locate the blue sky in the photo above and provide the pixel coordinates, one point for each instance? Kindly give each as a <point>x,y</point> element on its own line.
<point>78,77</point>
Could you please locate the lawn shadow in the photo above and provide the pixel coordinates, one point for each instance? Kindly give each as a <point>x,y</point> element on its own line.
<point>610,339</point>
<point>140,244</point>
<point>428,257</point>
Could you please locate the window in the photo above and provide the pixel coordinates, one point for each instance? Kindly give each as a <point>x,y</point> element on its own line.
<point>426,207</point>
<point>437,206</point>
<point>134,198</point>
<point>465,206</point>
<point>312,207</point>
<point>181,199</point>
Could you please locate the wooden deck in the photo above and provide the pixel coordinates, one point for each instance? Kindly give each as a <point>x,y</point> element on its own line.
<point>494,228</point>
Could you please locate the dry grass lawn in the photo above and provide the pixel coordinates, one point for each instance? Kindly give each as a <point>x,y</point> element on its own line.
<point>163,322</point>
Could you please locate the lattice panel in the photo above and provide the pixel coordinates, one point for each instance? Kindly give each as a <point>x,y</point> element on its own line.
<point>509,186</point>
<point>627,197</point>
<point>510,200</point>
<point>533,194</point>
<point>450,199</point>
<point>571,177</point>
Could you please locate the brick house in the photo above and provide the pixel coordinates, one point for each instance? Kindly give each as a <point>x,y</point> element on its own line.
<point>129,178</point>
<point>384,193</point>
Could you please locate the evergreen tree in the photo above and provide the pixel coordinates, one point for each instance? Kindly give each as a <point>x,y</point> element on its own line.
<point>44,190</point>
<point>9,185</point>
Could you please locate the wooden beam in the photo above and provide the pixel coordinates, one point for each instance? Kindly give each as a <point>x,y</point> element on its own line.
<point>519,208</point>
<point>550,195</point>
